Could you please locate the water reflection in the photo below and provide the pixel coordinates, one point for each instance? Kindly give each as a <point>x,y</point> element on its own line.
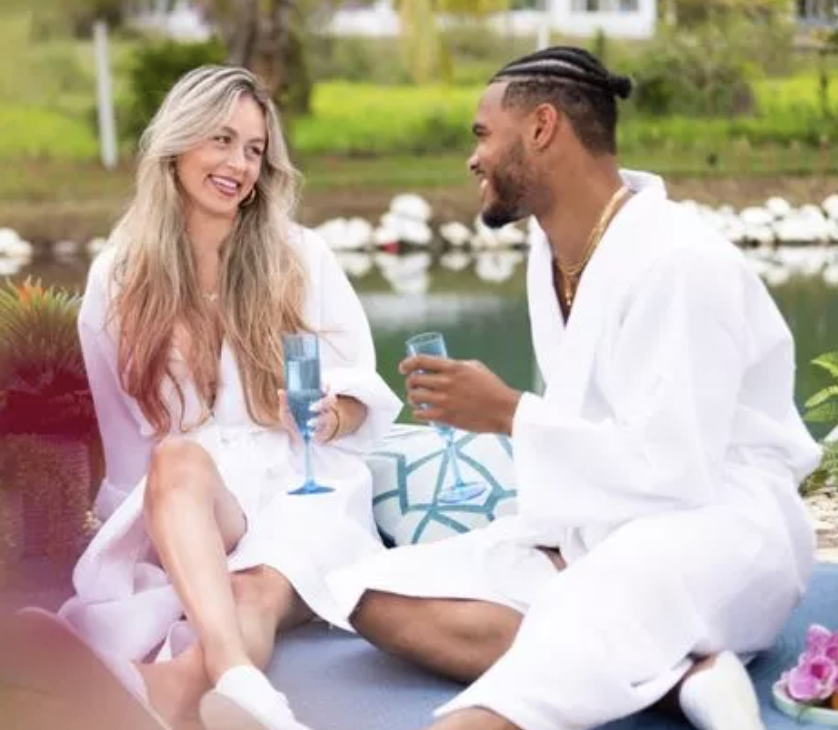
<point>477,299</point>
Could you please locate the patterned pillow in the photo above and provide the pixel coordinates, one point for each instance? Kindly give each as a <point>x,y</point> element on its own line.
<point>411,466</point>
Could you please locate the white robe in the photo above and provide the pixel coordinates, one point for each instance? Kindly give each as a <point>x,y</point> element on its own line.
<point>663,460</point>
<point>124,603</point>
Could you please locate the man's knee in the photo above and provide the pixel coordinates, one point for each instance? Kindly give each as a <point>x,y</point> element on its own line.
<point>261,589</point>
<point>406,625</point>
<point>264,592</point>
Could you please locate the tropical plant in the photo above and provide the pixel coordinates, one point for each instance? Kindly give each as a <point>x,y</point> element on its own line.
<point>43,382</point>
<point>822,408</point>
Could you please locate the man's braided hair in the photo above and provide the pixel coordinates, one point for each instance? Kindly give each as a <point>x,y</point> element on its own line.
<point>574,81</point>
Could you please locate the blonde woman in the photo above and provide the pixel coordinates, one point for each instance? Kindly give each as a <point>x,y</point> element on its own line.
<point>181,329</point>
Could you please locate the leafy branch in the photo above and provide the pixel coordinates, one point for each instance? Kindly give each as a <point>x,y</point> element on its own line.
<point>822,407</point>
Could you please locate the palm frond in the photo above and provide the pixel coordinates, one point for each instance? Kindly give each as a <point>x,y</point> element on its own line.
<point>829,362</point>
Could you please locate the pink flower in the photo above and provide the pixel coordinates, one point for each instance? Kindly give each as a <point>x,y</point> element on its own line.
<point>814,679</point>
<point>818,638</point>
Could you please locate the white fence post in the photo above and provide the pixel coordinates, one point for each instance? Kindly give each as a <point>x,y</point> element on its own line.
<point>104,89</point>
<point>543,33</point>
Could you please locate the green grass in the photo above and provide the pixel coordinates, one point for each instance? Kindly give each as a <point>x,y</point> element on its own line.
<point>366,119</point>
<point>30,132</point>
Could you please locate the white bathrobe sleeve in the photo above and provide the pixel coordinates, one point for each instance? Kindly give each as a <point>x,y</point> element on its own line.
<point>671,377</point>
<point>347,352</point>
<point>127,437</point>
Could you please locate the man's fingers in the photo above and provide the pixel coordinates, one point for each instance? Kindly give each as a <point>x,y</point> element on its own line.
<point>429,414</point>
<point>428,381</point>
<point>425,362</point>
<point>422,396</point>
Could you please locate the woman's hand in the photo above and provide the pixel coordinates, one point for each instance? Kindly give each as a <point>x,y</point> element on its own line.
<point>327,422</point>
<point>324,422</point>
<point>286,419</point>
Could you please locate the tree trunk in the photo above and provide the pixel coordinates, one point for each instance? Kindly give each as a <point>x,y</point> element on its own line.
<point>241,40</point>
<point>266,41</point>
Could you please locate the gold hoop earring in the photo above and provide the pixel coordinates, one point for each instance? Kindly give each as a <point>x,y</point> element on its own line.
<point>251,196</point>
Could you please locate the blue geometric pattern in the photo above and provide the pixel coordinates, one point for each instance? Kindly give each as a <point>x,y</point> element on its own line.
<point>412,466</point>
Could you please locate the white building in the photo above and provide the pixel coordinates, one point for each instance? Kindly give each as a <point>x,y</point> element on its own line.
<point>584,18</point>
<point>818,13</point>
<point>181,20</point>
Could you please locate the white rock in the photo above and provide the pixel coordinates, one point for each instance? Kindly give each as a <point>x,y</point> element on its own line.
<point>778,207</point>
<point>830,205</point>
<point>407,230</point>
<point>95,246</point>
<point>17,249</point>
<point>754,216</point>
<point>346,234</point>
<point>455,233</point>
<point>411,206</point>
<point>762,235</point>
<point>9,267</point>
<point>65,249</point>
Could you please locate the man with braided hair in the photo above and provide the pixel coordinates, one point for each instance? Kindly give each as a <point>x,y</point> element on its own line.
<point>660,534</point>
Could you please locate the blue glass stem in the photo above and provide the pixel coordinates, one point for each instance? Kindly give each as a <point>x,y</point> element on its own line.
<point>451,445</point>
<point>307,449</point>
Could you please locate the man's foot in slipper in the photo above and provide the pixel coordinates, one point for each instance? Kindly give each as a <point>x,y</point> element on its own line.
<point>719,695</point>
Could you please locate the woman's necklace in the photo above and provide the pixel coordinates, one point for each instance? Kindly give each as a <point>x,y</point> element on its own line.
<point>570,275</point>
<point>211,296</point>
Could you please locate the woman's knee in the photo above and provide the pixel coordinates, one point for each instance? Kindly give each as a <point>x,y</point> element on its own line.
<point>177,464</point>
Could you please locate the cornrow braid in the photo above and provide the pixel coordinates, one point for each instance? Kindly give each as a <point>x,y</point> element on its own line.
<point>571,64</point>
<point>574,81</point>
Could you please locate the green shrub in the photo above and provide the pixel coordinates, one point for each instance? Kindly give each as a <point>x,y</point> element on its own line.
<point>155,69</point>
<point>692,74</point>
<point>362,60</point>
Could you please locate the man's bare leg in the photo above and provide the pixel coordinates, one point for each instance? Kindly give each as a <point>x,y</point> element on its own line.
<point>459,639</point>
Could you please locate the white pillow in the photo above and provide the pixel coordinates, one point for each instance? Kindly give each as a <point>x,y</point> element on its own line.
<point>411,466</point>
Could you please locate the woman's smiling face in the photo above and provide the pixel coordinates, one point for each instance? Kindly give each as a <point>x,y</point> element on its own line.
<point>217,175</point>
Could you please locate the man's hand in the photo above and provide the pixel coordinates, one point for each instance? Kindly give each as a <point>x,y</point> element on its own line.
<point>462,393</point>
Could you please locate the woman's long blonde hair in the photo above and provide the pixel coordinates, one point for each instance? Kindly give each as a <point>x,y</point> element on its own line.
<point>261,279</point>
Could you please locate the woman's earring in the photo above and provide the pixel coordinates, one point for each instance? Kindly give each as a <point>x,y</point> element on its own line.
<point>251,196</point>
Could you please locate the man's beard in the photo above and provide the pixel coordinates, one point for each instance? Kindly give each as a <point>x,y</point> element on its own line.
<point>509,191</point>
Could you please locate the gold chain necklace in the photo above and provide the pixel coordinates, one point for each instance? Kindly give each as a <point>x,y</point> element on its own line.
<point>574,271</point>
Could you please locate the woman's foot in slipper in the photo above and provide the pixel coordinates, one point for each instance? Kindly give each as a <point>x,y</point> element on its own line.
<point>244,699</point>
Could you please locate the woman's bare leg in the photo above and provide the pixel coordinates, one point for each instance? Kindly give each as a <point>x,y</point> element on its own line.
<point>194,522</point>
<point>265,603</point>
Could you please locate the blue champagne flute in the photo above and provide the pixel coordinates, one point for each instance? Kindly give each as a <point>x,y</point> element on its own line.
<point>433,343</point>
<point>302,386</point>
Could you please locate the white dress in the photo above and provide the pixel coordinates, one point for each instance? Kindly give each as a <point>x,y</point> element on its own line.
<point>124,603</point>
<point>663,460</point>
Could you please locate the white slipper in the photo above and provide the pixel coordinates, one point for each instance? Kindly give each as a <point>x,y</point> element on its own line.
<point>244,699</point>
<point>721,697</point>
<point>42,652</point>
